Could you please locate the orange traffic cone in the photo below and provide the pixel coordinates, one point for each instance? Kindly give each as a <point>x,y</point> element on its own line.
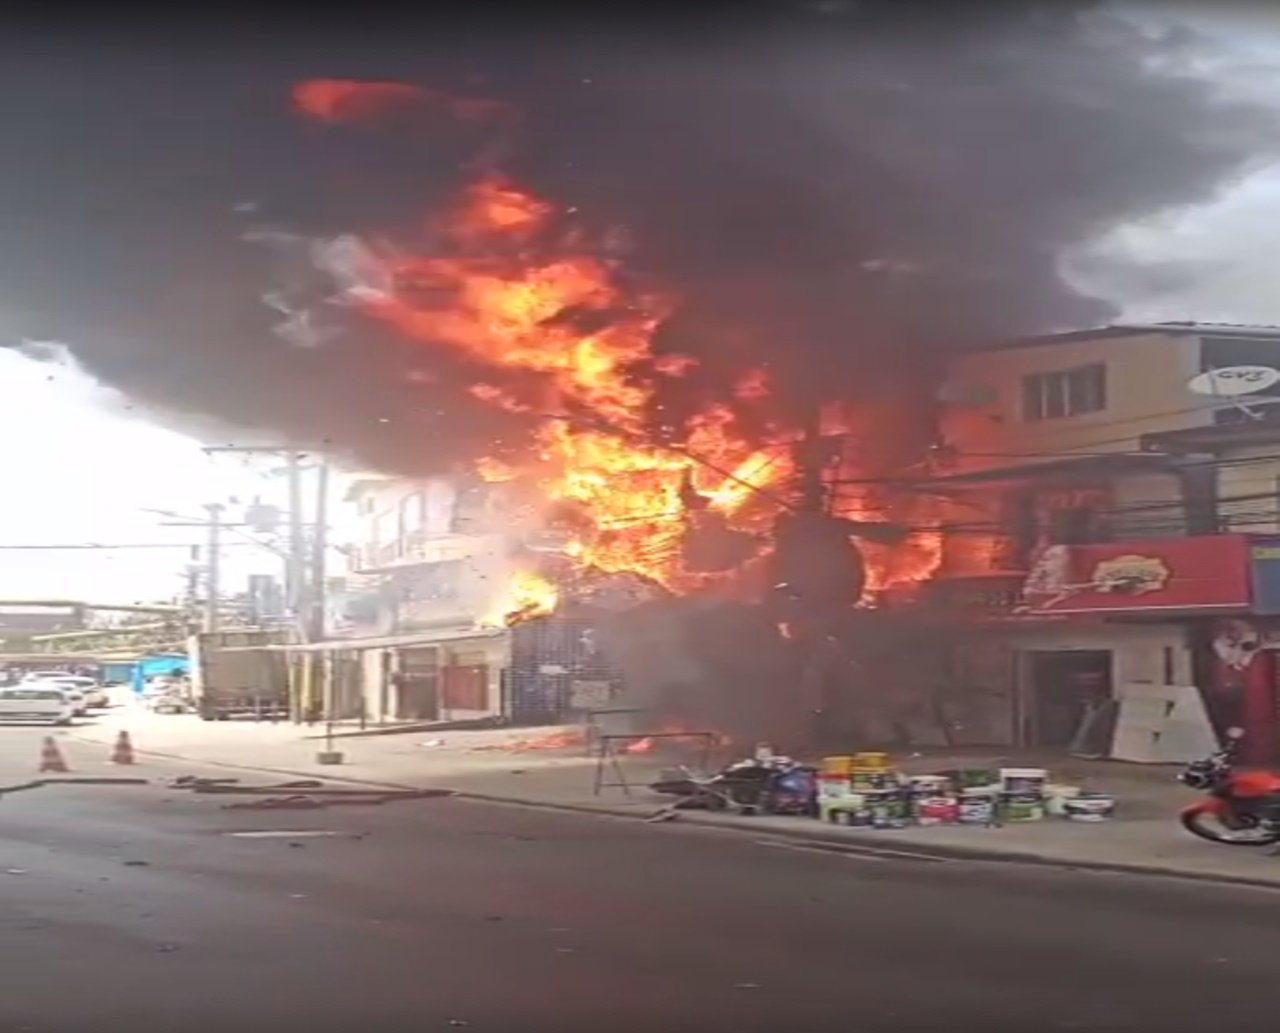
<point>51,758</point>
<point>123,753</point>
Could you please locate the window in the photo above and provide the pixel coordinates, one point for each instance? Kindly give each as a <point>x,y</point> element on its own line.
<point>1069,392</point>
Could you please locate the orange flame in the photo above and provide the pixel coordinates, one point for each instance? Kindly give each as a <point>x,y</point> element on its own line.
<point>519,293</point>
<point>563,319</point>
<point>525,595</point>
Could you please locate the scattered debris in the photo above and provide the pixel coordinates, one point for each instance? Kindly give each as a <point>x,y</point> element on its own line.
<point>15,871</point>
<point>459,1022</point>
<point>189,781</point>
<point>166,948</point>
<point>277,803</point>
<point>554,741</point>
<point>283,833</point>
<point>136,864</point>
<point>432,742</point>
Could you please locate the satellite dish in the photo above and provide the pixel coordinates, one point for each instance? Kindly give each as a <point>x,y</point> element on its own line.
<point>1232,381</point>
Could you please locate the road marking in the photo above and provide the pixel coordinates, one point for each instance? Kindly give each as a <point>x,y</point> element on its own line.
<point>852,853</point>
<point>801,848</point>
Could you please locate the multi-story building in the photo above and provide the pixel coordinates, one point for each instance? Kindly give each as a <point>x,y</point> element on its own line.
<point>1107,509</point>
<point>420,609</point>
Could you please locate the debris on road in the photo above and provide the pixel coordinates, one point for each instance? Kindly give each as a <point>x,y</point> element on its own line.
<point>191,781</point>
<point>39,783</point>
<point>272,803</point>
<point>284,833</point>
<point>137,864</point>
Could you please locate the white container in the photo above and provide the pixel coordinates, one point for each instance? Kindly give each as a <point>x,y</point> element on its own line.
<point>1023,781</point>
<point>1093,807</point>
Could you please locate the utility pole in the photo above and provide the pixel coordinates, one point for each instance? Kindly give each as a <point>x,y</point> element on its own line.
<point>319,545</point>
<point>812,461</point>
<point>297,596</point>
<point>296,572</point>
<point>213,579</point>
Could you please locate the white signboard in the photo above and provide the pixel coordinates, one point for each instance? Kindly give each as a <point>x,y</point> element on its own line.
<point>1231,381</point>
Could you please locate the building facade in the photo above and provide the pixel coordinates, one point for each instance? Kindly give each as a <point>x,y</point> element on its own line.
<point>1108,523</point>
<point>415,632</point>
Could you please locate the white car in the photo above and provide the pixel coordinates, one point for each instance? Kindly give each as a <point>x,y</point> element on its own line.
<point>94,694</point>
<point>64,683</point>
<point>36,702</point>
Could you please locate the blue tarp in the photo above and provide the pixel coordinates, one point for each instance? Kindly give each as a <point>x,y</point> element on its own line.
<point>150,666</point>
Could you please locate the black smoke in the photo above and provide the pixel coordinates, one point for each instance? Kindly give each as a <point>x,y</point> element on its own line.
<point>838,190</point>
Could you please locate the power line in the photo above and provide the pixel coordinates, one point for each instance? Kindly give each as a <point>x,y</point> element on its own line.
<point>123,545</point>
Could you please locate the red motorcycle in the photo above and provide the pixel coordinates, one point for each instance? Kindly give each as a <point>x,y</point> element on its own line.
<point>1242,807</point>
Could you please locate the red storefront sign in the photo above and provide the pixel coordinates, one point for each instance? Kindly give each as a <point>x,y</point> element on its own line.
<point>1199,573</point>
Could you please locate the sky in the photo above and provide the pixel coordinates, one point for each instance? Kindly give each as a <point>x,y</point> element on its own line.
<point>80,464</point>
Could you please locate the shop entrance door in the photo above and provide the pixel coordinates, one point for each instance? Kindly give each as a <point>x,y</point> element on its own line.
<point>1063,686</point>
<point>418,685</point>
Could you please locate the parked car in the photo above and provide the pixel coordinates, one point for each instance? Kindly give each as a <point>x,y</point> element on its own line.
<point>36,702</point>
<point>95,695</point>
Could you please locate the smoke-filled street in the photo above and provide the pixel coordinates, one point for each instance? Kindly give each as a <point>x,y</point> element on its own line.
<point>135,908</point>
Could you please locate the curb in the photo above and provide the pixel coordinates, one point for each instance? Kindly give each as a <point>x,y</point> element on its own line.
<point>819,838</point>
<point>256,767</point>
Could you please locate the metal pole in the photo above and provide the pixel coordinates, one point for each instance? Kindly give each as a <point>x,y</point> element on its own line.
<point>296,587</point>
<point>319,545</point>
<point>213,586</point>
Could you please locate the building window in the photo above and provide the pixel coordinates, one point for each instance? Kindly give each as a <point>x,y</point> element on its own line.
<point>1068,392</point>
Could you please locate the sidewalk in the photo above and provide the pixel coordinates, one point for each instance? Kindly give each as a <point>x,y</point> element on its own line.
<point>1145,835</point>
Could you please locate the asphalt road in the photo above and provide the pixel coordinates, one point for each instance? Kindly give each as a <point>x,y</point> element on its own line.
<point>448,914</point>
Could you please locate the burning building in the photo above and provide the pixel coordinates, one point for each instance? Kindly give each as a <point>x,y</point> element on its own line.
<point>680,306</point>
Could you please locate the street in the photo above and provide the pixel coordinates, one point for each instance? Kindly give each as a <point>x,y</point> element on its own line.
<point>127,906</point>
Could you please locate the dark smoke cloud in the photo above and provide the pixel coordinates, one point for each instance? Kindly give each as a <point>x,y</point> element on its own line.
<point>829,187</point>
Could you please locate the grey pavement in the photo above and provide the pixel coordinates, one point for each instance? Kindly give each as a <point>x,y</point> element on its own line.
<point>1145,834</point>
<point>136,908</point>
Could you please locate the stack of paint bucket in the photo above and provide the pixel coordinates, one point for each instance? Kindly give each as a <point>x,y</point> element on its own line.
<point>836,798</point>
<point>884,800</point>
<point>932,800</point>
<point>1022,794</point>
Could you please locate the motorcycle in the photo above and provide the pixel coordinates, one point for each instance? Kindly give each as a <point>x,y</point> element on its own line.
<point>1242,808</point>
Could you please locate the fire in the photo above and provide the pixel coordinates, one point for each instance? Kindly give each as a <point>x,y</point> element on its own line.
<point>513,285</point>
<point>562,318</point>
<point>525,595</point>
